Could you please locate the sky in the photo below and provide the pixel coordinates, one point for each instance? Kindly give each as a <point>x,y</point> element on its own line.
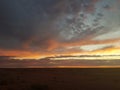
<point>43,28</point>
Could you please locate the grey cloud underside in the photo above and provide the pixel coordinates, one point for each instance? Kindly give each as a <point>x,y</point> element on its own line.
<point>20,20</point>
<point>43,20</point>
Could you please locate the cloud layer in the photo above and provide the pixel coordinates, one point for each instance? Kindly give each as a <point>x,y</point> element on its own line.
<point>47,27</point>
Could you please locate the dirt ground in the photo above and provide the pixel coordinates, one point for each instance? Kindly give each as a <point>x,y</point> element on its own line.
<point>60,79</point>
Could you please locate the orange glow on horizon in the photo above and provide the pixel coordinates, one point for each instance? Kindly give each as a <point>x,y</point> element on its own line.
<point>32,55</point>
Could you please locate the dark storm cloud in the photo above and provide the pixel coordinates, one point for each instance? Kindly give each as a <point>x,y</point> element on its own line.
<point>19,19</point>
<point>30,22</point>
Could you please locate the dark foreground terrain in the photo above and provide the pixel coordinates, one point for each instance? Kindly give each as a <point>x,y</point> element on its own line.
<point>60,79</point>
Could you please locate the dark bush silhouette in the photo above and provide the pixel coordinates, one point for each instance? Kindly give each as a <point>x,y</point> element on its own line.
<point>39,87</point>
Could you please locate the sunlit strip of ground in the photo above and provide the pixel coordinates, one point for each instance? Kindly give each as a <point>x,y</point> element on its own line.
<point>73,66</point>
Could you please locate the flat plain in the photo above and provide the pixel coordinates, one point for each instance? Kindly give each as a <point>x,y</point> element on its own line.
<point>60,79</point>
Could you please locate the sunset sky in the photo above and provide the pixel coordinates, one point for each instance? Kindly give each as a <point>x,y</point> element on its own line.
<point>43,28</point>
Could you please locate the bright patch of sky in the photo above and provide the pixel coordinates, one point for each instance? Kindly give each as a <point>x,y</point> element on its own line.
<point>111,35</point>
<point>94,47</point>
